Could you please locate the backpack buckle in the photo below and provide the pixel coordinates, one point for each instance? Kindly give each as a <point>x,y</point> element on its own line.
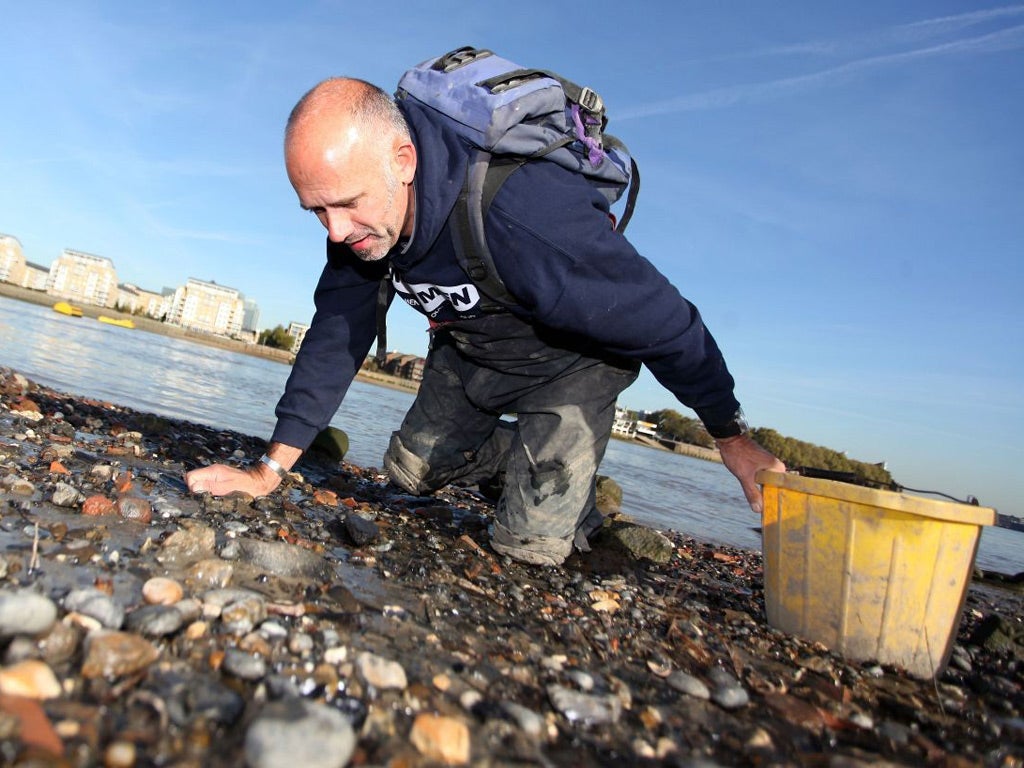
<point>591,101</point>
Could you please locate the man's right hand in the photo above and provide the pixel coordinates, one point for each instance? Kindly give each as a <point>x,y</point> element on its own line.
<point>221,480</point>
<point>256,480</point>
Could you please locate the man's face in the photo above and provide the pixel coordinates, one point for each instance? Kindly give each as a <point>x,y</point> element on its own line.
<point>358,187</point>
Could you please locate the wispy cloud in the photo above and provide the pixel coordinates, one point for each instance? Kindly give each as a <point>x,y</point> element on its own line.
<point>1010,38</point>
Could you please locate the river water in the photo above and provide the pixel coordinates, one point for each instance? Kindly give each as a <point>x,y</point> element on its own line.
<point>205,385</point>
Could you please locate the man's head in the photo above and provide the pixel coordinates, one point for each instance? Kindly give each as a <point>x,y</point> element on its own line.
<point>351,161</point>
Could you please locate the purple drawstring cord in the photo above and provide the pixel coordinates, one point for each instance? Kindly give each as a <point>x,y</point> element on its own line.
<point>595,153</point>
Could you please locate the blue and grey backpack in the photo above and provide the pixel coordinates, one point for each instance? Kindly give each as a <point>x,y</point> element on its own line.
<point>512,115</point>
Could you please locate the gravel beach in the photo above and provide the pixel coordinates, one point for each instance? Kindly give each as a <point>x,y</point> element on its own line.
<point>341,622</point>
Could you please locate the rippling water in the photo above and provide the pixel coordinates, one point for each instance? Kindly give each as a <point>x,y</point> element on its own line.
<point>224,389</point>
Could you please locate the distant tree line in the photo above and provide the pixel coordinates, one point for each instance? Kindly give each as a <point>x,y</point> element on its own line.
<point>675,426</point>
<point>792,452</point>
<point>797,453</point>
<point>276,337</point>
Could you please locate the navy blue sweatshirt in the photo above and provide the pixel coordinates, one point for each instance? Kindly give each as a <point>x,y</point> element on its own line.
<point>555,250</point>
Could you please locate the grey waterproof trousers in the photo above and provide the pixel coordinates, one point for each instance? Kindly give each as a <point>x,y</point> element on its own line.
<point>545,461</point>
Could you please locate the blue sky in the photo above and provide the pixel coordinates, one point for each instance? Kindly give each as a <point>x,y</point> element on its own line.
<point>839,187</point>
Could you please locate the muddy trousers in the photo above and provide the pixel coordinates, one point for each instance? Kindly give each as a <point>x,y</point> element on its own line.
<point>545,461</point>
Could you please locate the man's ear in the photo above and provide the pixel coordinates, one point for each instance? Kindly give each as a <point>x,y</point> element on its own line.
<point>404,159</point>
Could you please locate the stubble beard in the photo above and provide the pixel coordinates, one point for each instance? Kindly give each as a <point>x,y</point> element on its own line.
<point>386,235</point>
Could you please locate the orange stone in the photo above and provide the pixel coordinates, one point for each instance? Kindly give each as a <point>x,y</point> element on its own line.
<point>321,496</point>
<point>98,505</point>
<point>441,738</point>
<point>35,727</point>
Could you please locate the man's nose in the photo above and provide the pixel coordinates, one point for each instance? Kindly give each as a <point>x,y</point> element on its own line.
<point>338,224</point>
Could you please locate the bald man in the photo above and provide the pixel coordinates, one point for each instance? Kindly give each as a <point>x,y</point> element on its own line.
<point>383,178</point>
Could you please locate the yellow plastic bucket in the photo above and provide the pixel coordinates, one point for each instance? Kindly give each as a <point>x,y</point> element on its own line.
<point>872,575</point>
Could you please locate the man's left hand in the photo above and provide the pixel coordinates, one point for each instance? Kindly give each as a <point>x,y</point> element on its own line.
<point>744,457</point>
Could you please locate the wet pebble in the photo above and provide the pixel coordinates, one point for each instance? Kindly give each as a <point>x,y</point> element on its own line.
<point>160,590</point>
<point>120,754</point>
<point>584,708</point>
<point>97,505</point>
<point>18,485</point>
<point>529,722</point>
<point>138,510</point>
<point>280,558</point>
<point>688,684</point>
<point>31,678</point>
<point>440,738</point>
<point>583,680</point>
<point>155,620</point>
<point>97,605</point>
<point>65,495</point>
<point>165,509</point>
<point>209,573</point>
<point>25,612</point>
<point>379,672</point>
<point>361,530</point>
<point>248,666</point>
<point>294,732</point>
<point>114,654</point>
<point>727,691</point>
<point>242,616</point>
<point>194,541</point>
<point>300,644</point>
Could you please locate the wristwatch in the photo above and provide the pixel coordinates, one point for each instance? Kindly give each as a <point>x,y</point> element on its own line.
<point>276,468</point>
<point>736,426</point>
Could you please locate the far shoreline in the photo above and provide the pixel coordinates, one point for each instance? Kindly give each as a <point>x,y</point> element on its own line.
<point>285,357</point>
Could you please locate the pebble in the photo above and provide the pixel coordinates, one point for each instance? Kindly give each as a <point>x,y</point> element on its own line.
<point>583,680</point>
<point>23,612</point>
<point>209,573</point>
<point>31,678</point>
<point>160,590</point>
<point>688,684</point>
<point>248,666</point>
<point>119,754</point>
<point>584,708</point>
<point>193,542</point>
<point>379,672</point>
<point>97,605</point>
<point>641,542</point>
<point>242,616</point>
<point>97,505</point>
<point>279,558</point>
<point>300,644</point>
<point>131,508</point>
<point>18,485</point>
<point>155,620</point>
<point>440,738</point>
<point>529,722</point>
<point>114,654</point>
<point>730,697</point>
<point>167,510</point>
<point>296,732</point>
<point>361,530</point>
<point>727,692</point>
<point>65,495</point>
<point>60,644</point>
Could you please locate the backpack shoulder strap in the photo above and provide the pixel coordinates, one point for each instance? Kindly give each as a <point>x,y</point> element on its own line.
<point>484,178</point>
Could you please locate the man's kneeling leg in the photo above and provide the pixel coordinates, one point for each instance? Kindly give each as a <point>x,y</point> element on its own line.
<point>407,470</point>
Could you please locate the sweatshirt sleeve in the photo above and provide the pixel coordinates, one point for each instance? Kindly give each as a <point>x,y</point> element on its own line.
<point>337,342</point>
<point>559,255</point>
